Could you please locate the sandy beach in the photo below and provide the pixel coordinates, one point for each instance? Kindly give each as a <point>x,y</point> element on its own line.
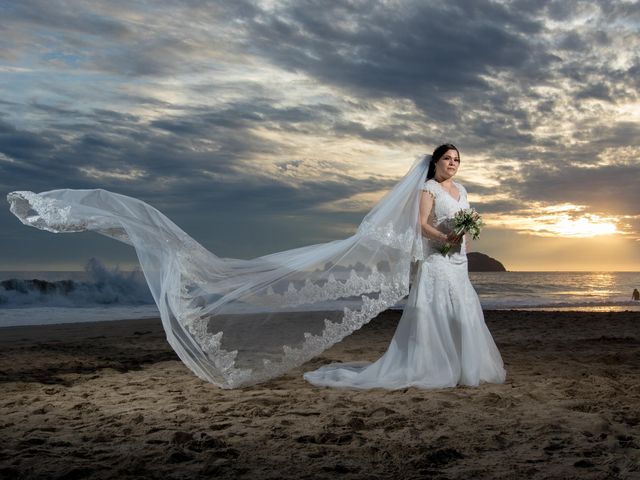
<point>112,400</point>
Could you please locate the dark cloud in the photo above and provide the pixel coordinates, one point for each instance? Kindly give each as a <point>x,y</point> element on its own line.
<point>51,16</point>
<point>469,66</point>
<point>430,53</point>
<point>608,189</point>
<point>201,156</point>
<point>502,206</point>
<point>531,85</point>
<point>23,145</point>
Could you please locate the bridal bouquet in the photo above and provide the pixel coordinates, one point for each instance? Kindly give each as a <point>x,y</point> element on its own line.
<point>465,221</point>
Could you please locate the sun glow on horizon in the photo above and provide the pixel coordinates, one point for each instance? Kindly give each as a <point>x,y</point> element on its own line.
<point>588,226</point>
<point>565,220</point>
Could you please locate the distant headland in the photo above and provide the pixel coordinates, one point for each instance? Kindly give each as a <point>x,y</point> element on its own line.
<point>479,262</point>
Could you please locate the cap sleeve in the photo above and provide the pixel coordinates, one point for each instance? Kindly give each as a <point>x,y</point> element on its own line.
<point>431,187</point>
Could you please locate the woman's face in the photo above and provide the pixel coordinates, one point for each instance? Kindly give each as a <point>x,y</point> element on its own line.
<point>447,165</point>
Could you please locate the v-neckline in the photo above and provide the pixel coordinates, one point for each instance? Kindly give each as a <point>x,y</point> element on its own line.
<point>448,193</point>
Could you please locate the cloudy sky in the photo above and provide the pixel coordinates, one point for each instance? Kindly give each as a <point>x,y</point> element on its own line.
<point>259,126</point>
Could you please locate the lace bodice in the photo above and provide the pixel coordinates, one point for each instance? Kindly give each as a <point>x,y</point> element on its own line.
<point>444,208</point>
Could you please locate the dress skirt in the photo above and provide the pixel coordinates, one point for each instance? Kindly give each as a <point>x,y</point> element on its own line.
<point>441,339</point>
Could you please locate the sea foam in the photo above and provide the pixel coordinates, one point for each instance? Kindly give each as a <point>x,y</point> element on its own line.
<point>103,287</point>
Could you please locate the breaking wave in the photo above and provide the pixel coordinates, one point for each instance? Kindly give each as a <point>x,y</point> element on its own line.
<point>103,287</point>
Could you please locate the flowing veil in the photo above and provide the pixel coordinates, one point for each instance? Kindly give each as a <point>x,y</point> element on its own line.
<point>240,322</point>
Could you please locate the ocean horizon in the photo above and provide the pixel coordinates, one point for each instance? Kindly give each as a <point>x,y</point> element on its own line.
<point>100,294</point>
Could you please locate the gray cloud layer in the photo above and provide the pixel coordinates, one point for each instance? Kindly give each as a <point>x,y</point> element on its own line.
<point>532,86</point>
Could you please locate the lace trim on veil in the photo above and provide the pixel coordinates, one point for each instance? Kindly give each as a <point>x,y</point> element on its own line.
<point>352,320</point>
<point>390,290</point>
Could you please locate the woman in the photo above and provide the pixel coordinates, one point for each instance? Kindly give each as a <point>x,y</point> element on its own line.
<point>441,339</point>
<point>238,322</point>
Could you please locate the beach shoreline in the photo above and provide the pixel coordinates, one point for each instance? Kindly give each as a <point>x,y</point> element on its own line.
<point>111,399</point>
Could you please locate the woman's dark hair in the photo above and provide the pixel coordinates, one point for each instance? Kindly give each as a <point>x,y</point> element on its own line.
<point>437,154</point>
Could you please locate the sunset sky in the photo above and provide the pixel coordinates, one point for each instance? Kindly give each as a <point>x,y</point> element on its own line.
<point>259,126</point>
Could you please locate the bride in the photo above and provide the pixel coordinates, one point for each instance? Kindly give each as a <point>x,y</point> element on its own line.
<point>441,339</point>
<point>237,322</point>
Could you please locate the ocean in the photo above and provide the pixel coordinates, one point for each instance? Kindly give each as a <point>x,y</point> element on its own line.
<point>102,294</point>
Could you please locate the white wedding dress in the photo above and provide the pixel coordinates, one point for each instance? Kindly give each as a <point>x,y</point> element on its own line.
<point>441,339</point>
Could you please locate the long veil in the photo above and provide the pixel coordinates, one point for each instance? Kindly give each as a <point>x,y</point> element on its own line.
<point>240,322</point>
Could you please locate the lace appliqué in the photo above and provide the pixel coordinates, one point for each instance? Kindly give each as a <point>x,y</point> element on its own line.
<point>443,274</point>
<point>211,345</point>
<point>387,235</point>
<point>430,189</point>
<point>409,241</point>
<point>332,289</point>
<point>445,206</point>
<point>390,293</point>
<point>54,216</point>
<point>390,290</point>
<point>43,213</point>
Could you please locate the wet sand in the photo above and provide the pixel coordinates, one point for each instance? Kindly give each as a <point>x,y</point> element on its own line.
<point>112,400</point>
